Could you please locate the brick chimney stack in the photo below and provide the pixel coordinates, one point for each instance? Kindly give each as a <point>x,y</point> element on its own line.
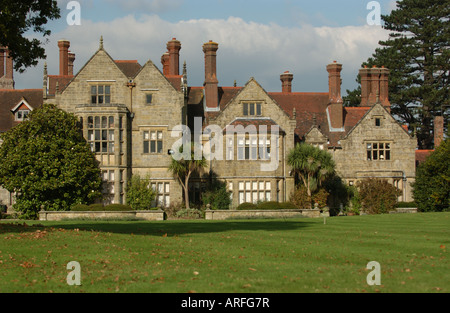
<point>2,62</point>
<point>375,86</point>
<point>64,46</point>
<point>211,83</point>
<point>174,47</point>
<point>286,81</point>
<point>6,69</point>
<point>71,61</point>
<point>384,87</point>
<point>438,131</point>
<point>165,63</point>
<point>336,104</point>
<point>375,76</point>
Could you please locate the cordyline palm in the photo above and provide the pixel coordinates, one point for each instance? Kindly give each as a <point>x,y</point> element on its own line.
<point>312,165</point>
<point>182,169</point>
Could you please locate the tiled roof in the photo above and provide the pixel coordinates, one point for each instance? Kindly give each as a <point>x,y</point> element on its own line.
<point>10,98</point>
<point>129,67</point>
<point>422,155</point>
<point>61,80</point>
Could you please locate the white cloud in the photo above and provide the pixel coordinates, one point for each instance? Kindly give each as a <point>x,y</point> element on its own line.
<point>246,49</point>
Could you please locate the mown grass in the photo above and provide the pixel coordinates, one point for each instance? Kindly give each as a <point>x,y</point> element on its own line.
<point>242,256</point>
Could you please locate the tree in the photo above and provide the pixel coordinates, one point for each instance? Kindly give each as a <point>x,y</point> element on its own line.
<point>418,56</point>
<point>17,18</point>
<point>183,169</point>
<point>431,189</point>
<point>48,164</point>
<point>140,195</point>
<point>312,164</point>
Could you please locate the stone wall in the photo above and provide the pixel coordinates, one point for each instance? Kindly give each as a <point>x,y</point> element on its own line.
<point>154,215</point>
<point>237,214</point>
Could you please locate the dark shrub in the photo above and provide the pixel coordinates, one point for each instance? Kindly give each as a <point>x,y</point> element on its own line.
<point>247,206</point>
<point>80,207</point>
<point>117,207</point>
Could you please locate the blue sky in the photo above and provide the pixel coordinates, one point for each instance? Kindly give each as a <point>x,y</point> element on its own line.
<point>257,38</point>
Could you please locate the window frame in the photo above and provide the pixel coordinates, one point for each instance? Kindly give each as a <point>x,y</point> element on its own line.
<point>252,108</point>
<point>378,151</point>
<point>148,142</point>
<point>101,134</point>
<point>106,97</point>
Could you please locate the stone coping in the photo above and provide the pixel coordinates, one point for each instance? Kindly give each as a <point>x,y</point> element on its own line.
<point>150,215</point>
<point>230,214</point>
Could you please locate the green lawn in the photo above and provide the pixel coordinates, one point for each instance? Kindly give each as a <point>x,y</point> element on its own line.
<point>241,256</point>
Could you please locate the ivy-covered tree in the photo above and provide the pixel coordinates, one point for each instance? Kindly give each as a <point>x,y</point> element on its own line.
<point>418,56</point>
<point>19,17</point>
<point>48,164</point>
<point>431,189</point>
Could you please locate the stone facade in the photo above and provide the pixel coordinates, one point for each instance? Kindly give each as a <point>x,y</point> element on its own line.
<point>129,111</point>
<point>378,147</point>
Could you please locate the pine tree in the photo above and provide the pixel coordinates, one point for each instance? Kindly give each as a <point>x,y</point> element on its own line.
<point>417,54</point>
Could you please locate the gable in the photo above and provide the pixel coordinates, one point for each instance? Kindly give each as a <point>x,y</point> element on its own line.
<point>251,93</point>
<point>386,127</point>
<point>150,77</point>
<point>22,105</point>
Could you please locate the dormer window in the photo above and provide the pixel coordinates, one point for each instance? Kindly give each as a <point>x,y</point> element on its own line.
<point>21,115</point>
<point>21,111</point>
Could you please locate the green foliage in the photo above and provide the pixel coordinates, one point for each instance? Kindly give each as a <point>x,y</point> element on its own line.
<point>100,207</point>
<point>17,18</point>
<point>267,205</point>
<point>377,196</point>
<point>354,199</point>
<point>218,196</point>
<point>140,195</point>
<point>431,189</point>
<point>247,206</point>
<point>411,204</point>
<point>418,57</point>
<point>300,198</point>
<point>312,164</point>
<point>48,164</point>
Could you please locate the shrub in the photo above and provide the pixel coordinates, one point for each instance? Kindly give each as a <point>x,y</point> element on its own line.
<point>96,207</point>
<point>118,207</point>
<point>189,214</point>
<point>80,207</point>
<point>377,195</point>
<point>321,198</point>
<point>218,197</point>
<point>300,198</point>
<point>247,206</point>
<point>411,204</point>
<point>431,189</point>
<point>140,195</point>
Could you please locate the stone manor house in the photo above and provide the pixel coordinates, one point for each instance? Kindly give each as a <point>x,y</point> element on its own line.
<point>128,112</point>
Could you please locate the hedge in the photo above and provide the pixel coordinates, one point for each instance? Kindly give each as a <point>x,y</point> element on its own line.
<point>269,205</point>
<point>100,207</point>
